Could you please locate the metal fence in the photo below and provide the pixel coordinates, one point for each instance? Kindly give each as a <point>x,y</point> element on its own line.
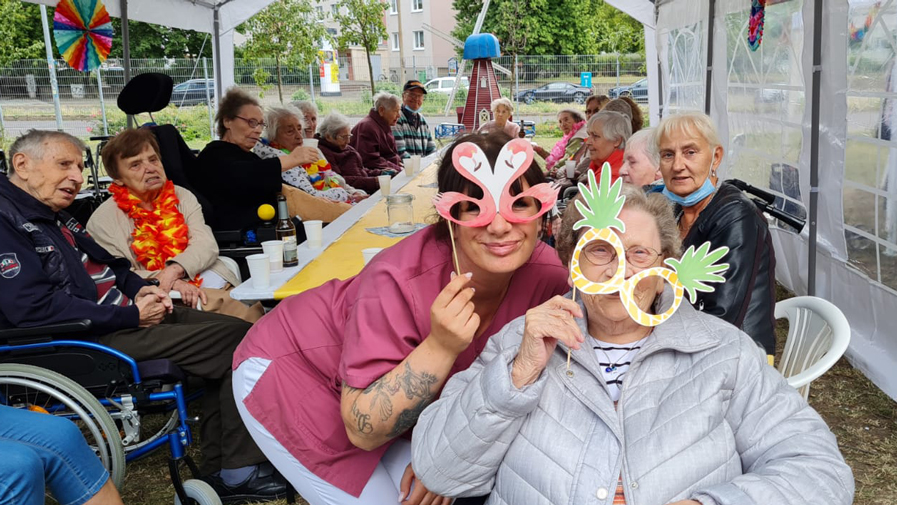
<point>88,100</point>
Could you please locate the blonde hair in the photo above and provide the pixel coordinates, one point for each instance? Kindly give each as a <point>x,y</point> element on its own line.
<point>501,102</point>
<point>693,124</point>
<point>655,204</point>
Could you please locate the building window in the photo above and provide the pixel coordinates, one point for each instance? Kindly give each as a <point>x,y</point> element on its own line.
<point>320,11</point>
<point>395,41</point>
<point>419,40</point>
<point>393,7</point>
<point>417,5</point>
<point>334,10</point>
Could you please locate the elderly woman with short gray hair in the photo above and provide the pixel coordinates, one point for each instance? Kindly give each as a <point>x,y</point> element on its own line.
<point>501,118</point>
<point>333,141</point>
<point>607,135</point>
<point>284,134</point>
<point>578,402</point>
<point>641,161</point>
<point>372,136</point>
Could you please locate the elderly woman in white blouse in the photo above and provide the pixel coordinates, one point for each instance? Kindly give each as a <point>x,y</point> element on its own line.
<point>284,133</point>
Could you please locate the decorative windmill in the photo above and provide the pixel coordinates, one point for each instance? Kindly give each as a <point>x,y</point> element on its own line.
<point>480,48</point>
<point>471,119</point>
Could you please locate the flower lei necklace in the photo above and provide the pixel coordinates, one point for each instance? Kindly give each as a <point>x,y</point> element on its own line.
<point>159,234</point>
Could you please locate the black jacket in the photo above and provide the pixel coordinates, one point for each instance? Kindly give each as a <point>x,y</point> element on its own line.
<point>236,183</point>
<point>42,277</point>
<point>747,299</point>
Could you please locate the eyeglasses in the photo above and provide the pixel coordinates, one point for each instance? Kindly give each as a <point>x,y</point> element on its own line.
<point>253,123</point>
<point>344,137</point>
<point>592,111</point>
<point>602,254</point>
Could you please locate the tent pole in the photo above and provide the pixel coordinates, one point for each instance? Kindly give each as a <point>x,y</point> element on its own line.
<point>709,81</point>
<point>126,49</point>
<point>814,146</point>
<point>216,27</point>
<point>51,65</point>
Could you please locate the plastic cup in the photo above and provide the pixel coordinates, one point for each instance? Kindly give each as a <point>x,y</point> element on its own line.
<point>570,167</point>
<point>409,167</point>
<point>385,183</point>
<point>310,143</point>
<point>259,270</point>
<point>369,253</point>
<point>313,233</point>
<point>274,250</point>
<point>416,159</point>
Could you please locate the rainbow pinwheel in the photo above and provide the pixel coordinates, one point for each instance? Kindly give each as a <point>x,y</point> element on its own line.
<point>83,33</point>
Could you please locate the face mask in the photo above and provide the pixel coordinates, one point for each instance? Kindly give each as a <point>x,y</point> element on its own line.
<point>703,192</point>
<point>412,110</point>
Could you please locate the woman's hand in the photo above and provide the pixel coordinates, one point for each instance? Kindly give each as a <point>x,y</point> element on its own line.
<point>169,275</point>
<point>357,197</point>
<point>686,502</point>
<point>190,294</point>
<point>298,157</point>
<point>544,326</point>
<point>453,322</point>
<point>540,151</point>
<point>420,495</point>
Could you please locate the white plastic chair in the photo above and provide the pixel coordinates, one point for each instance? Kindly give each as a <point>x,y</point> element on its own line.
<point>818,335</point>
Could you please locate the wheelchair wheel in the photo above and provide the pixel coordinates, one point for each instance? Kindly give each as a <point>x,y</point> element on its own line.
<point>199,493</point>
<point>41,389</point>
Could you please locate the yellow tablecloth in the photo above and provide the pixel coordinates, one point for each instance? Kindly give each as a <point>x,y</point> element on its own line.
<point>343,258</point>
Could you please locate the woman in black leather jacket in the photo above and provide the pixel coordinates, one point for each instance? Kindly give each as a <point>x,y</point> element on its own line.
<point>690,153</point>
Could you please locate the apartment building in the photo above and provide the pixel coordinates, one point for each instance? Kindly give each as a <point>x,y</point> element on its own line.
<point>426,54</point>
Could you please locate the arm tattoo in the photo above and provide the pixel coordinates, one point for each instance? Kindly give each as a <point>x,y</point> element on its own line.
<point>413,384</point>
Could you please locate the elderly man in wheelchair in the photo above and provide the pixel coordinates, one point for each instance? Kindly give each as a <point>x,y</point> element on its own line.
<point>52,273</point>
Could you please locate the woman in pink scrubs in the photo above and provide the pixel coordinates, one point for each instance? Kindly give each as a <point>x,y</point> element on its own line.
<point>331,381</point>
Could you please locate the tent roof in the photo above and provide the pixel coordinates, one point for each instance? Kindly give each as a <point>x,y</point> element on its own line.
<point>184,14</point>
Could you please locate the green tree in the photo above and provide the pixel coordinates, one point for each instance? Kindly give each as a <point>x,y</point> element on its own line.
<point>286,30</point>
<point>362,24</point>
<point>20,31</point>
<point>552,26</point>
<point>156,41</point>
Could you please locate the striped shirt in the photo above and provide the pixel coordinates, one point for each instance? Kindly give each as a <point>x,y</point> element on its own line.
<point>614,360</point>
<point>103,276</point>
<point>412,135</point>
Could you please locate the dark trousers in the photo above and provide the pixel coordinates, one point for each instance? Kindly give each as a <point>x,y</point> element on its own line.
<point>202,345</point>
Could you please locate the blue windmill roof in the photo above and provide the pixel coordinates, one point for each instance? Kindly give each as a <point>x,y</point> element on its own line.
<point>481,45</point>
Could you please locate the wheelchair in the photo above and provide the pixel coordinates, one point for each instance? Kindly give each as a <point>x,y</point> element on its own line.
<point>105,393</point>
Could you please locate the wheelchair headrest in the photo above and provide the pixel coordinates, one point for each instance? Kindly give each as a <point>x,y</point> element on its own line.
<point>146,93</point>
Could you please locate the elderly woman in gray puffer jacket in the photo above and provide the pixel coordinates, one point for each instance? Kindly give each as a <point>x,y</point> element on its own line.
<point>687,412</point>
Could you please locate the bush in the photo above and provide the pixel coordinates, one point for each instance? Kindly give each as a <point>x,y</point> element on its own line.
<point>300,94</point>
<point>192,122</point>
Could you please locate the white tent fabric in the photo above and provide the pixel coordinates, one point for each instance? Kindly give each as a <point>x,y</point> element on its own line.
<point>198,15</point>
<point>762,103</point>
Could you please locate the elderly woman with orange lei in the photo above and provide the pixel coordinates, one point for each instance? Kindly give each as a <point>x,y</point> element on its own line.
<point>159,228</point>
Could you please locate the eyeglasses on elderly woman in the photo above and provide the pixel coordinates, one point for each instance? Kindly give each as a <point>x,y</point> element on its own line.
<point>602,253</point>
<point>253,123</point>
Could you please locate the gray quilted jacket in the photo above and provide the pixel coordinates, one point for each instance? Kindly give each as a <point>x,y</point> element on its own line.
<point>701,416</point>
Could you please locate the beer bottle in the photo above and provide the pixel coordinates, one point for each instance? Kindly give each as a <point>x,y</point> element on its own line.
<point>286,231</point>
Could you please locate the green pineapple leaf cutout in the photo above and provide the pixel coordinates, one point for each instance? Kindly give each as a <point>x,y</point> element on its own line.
<point>698,267</point>
<point>602,205</point>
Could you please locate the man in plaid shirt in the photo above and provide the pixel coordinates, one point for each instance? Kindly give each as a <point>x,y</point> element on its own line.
<point>411,131</point>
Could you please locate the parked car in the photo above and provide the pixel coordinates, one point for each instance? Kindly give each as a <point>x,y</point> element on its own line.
<point>193,92</point>
<point>555,92</point>
<point>445,85</point>
<point>638,91</point>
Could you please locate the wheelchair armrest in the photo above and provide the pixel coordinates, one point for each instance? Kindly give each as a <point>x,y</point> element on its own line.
<point>102,137</point>
<point>67,328</point>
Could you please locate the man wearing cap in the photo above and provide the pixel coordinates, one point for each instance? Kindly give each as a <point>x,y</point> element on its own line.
<point>411,131</point>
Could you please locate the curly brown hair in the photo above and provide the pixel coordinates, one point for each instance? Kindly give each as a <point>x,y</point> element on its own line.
<point>654,204</point>
<point>229,107</point>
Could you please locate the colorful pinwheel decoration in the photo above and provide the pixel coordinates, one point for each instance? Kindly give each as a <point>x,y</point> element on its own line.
<point>755,24</point>
<point>600,209</point>
<point>83,33</point>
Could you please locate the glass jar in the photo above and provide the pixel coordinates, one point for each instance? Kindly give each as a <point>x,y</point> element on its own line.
<point>400,212</point>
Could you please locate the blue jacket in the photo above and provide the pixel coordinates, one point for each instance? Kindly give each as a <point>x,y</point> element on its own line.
<point>42,278</point>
